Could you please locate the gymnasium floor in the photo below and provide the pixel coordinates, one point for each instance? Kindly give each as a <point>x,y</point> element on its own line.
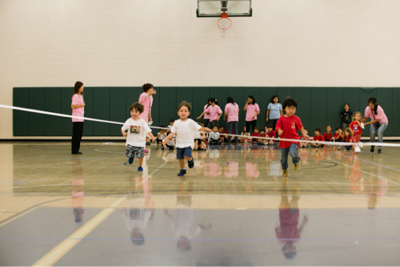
<point>95,209</point>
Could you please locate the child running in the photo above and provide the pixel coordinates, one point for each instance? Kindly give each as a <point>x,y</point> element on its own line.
<point>288,126</point>
<point>355,129</point>
<point>184,128</point>
<point>136,137</point>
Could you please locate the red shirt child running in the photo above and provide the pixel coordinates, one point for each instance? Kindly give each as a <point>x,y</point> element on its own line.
<point>356,128</point>
<point>290,127</point>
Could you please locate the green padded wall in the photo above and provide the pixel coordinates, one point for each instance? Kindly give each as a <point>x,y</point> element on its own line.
<point>317,106</point>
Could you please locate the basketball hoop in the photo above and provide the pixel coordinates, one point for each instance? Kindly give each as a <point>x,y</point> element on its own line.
<point>224,23</point>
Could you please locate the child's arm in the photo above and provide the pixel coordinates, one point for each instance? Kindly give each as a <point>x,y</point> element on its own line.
<point>303,132</point>
<point>205,129</point>
<point>124,134</point>
<point>152,136</point>
<point>170,136</point>
<point>199,117</point>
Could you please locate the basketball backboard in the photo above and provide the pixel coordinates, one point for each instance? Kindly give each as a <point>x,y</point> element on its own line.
<point>215,8</point>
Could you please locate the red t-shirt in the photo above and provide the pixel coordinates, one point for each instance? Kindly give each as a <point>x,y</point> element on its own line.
<point>226,131</point>
<point>347,139</point>
<point>328,136</point>
<point>255,134</point>
<point>355,128</point>
<point>318,138</point>
<point>271,134</point>
<point>337,137</point>
<point>290,126</point>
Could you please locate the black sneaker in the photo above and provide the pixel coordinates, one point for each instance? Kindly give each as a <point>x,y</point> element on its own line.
<point>372,149</point>
<point>182,172</point>
<point>380,152</point>
<point>191,163</point>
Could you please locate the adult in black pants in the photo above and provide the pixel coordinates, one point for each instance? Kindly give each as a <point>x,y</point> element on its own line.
<point>78,110</point>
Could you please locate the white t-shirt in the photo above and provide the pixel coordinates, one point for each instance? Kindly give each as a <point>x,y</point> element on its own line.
<point>161,136</point>
<point>197,135</point>
<point>213,136</point>
<point>185,131</point>
<point>137,132</point>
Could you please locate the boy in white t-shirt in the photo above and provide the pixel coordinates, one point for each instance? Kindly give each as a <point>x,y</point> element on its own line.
<point>136,137</point>
<point>185,129</point>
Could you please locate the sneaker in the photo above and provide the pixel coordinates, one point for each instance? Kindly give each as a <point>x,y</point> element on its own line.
<point>297,166</point>
<point>338,148</point>
<point>139,169</point>
<point>380,152</point>
<point>285,173</point>
<point>191,163</point>
<point>130,160</point>
<point>182,172</point>
<point>372,149</point>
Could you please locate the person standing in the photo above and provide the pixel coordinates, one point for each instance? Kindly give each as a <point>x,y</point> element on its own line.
<point>232,112</point>
<point>274,111</point>
<point>347,116</point>
<point>252,110</point>
<point>214,112</point>
<point>379,122</point>
<point>78,110</point>
<point>146,99</point>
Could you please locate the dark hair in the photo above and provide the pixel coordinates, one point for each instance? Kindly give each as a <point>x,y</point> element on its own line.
<point>317,130</point>
<point>375,102</point>
<point>255,128</point>
<point>147,86</point>
<point>253,100</point>
<point>262,130</point>
<point>215,126</point>
<point>171,120</point>
<point>221,127</point>
<point>272,99</point>
<point>77,86</point>
<point>270,126</point>
<point>289,102</point>
<point>347,105</point>
<point>139,107</point>
<point>230,100</point>
<point>212,100</point>
<point>327,126</point>
<point>347,131</point>
<point>185,104</point>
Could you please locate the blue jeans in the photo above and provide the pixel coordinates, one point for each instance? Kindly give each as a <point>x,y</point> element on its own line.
<point>234,125</point>
<point>375,130</point>
<point>292,150</point>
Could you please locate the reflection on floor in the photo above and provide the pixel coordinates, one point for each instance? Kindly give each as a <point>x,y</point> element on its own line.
<point>232,208</point>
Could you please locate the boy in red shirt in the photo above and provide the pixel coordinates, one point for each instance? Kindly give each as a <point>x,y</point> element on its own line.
<point>304,144</point>
<point>270,133</point>
<point>287,127</point>
<point>317,137</point>
<point>262,142</point>
<point>256,134</point>
<point>339,136</point>
<point>356,130</point>
<point>328,134</point>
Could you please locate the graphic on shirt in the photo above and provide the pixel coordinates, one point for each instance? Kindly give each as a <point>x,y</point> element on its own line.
<point>293,125</point>
<point>135,129</point>
<point>356,128</point>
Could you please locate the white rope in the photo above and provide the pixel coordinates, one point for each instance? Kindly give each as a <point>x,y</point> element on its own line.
<point>360,144</point>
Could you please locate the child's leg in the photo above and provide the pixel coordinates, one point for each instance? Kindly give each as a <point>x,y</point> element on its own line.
<point>182,163</point>
<point>294,154</point>
<point>285,153</point>
<point>188,156</point>
<point>140,162</point>
<point>139,151</point>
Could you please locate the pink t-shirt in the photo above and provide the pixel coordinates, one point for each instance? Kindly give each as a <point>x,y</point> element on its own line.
<point>206,115</point>
<point>233,111</point>
<point>214,112</point>
<point>147,102</point>
<point>381,116</point>
<point>79,112</point>
<point>251,111</point>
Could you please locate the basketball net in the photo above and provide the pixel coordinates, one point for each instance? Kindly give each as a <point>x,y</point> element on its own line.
<point>224,23</point>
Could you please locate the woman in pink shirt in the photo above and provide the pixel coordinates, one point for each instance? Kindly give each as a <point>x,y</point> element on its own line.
<point>379,122</point>
<point>78,110</point>
<point>146,99</point>
<point>252,110</point>
<point>215,113</point>
<point>232,112</point>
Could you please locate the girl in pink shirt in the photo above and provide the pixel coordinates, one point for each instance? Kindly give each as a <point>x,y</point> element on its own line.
<point>379,122</point>
<point>78,110</point>
<point>232,112</point>
<point>214,112</point>
<point>146,99</point>
<point>206,115</point>
<point>252,110</point>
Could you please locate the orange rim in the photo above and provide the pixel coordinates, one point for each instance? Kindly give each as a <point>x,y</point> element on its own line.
<point>224,16</point>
